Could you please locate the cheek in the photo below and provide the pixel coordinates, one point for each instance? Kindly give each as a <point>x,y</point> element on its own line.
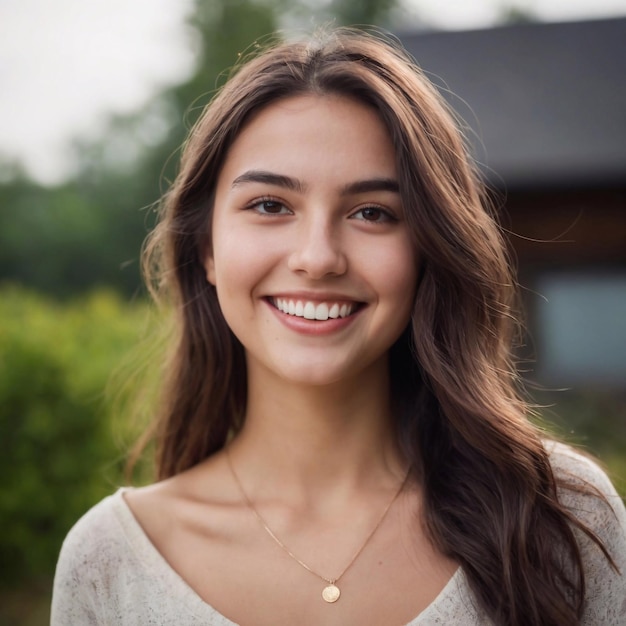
<point>230,254</point>
<point>240,262</point>
<point>396,269</point>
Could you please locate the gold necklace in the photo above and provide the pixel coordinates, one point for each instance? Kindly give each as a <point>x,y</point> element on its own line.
<point>331,592</point>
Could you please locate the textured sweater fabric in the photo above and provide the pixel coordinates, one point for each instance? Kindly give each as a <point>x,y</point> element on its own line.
<point>110,573</point>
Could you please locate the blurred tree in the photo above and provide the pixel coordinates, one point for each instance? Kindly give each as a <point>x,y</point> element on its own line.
<point>69,238</point>
<point>515,14</point>
<point>377,12</point>
<point>311,13</point>
<point>88,231</point>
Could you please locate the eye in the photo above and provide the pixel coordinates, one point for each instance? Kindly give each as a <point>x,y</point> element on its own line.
<point>373,214</point>
<point>268,206</point>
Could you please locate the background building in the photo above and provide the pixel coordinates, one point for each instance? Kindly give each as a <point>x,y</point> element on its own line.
<point>546,109</point>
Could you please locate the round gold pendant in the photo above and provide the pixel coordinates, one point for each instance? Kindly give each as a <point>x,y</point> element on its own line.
<point>331,593</point>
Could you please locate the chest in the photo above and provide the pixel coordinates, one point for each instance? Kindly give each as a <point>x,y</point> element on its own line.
<point>247,577</point>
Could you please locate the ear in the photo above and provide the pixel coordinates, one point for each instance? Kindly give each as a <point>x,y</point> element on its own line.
<point>209,267</point>
<point>206,254</point>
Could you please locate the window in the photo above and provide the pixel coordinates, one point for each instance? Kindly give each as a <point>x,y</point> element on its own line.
<point>580,329</point>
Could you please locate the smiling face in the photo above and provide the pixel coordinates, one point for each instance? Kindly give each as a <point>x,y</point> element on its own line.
<point>311,256</point>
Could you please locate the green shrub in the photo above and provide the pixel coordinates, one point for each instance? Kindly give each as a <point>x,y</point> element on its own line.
<point>60,437</point>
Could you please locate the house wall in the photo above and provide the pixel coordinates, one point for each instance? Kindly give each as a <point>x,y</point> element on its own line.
<point>567,228</point>
<point>570,247</point>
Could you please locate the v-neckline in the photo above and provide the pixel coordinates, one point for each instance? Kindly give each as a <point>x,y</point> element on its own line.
<point>151,557</point>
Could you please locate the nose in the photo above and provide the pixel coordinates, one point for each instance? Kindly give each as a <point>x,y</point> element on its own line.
<point>317,250</point>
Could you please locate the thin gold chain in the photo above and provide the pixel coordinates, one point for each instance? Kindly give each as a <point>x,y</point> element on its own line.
<point>269,531</point>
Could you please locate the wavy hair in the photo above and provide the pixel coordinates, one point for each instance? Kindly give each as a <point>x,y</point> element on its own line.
<point>490,496</point>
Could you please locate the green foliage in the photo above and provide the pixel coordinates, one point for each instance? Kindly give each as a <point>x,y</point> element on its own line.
<point>71,238</point>
<point>56,421</point>
<point>365,12</point>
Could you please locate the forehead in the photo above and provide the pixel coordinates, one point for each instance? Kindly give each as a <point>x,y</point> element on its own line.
<point>306,135</point>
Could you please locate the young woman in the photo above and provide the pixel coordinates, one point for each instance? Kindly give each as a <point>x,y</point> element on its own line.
<point>341,440</point>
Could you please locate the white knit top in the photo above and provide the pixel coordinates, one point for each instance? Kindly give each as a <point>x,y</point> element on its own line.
<point>110,573</point>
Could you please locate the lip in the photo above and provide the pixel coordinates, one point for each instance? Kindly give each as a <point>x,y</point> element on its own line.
<point>316,327</point>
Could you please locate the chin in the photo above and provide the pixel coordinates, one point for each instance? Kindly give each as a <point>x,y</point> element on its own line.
<point>308,376</point>
<point>326,371</point>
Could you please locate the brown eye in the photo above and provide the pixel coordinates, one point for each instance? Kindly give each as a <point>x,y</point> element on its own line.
<point>269,207</point>
<point>373,214</point>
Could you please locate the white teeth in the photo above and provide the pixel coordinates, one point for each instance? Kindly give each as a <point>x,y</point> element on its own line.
<point>321,311</point>
<point>312,311</point>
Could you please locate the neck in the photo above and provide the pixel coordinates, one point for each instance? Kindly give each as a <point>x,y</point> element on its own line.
<point>315,441</point>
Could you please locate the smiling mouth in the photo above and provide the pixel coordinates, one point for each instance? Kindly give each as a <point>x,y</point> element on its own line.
<point>318,311</point>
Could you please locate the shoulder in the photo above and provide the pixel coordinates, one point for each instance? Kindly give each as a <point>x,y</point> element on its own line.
<point>102,528</point>
<point>93,553</point>
<point>575,466</point>
<point>109,572</point>
<point>587,492</point>
<point>584,486</point>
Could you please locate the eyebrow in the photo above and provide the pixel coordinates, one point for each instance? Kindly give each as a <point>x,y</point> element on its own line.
<point>269,178</point>
<point>293,184</point>
<point>371,184</point>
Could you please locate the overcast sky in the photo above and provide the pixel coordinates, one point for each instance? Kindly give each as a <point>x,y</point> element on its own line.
<point>64,64</point>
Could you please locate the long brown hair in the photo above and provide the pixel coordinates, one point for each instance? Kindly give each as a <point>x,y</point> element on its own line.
<point>490,493</point>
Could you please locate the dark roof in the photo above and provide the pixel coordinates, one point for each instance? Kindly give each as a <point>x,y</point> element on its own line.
<point>547,101</point>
